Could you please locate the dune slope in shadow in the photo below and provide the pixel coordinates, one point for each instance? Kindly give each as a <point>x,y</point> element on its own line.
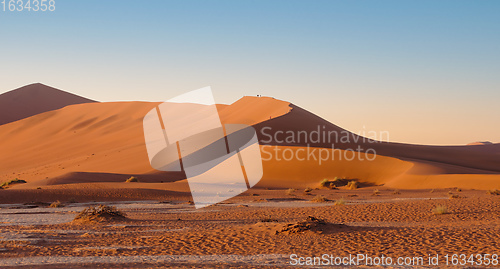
<point>34,99</point>
<point>96,142</point>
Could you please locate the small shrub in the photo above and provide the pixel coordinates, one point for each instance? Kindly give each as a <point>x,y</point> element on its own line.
<point>325,183</point>
<point>331,184</point>
<point>376,192</point>
<point>340,201</point>
<point>308,191</point>
<point>451,195</point>
<point>290,191</point>
<point>352,185</point>
<point>56,204</point>
<point>99,213</point>
<point>396,192</point>
<point>132,179</point>
<point>338,182</point>
<point>493,192</point>
<point>458,189</point>
<point>319,199</point>
<point>5,185</point>
<point>440,210</point>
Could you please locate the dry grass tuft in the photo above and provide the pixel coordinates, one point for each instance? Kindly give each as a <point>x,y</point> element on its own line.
<point>340,201</point>
<point>290,191</point>
<point>99,213</point>
<point>7,184</point>
<point>325,183</point>
<point>56,204</point>
<point>352,185</point>
<point>307,191</point>
<point>319,199</point>
<point>132,179</point>
<point>440,210</point>
<point>332,184</point>
<point>493,192</point>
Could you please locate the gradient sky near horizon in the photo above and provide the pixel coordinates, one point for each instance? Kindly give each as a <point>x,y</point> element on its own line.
<point>428,72</point>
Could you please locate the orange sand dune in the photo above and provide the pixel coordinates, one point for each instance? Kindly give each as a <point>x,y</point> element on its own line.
<point>481,157</point>
<point>34,99</point>
<point>104,142</point>
<point>280,171</point>
<point>96,138</point>
<point>253,110</point>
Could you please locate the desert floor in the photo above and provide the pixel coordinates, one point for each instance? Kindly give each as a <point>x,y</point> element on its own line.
<point>241,233</point>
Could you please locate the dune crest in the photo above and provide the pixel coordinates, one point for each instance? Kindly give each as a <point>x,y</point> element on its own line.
<point>104,142</point>
<point>34,99</point>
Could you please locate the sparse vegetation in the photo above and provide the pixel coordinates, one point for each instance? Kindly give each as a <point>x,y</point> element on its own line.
<point>311,224</point>
<point>340,201</point>
<point>396,192</point>
<point>290,191</point>
<point>56,204</point>
<point>5,185</point>
<point>325,183</point>
<point>132,179</point>
<point>440,210</point>
<point>458,189</point>
<point>99,213</point>
<point>331,184</point>
<point>451,195</point>
<point>338,182</point>
<point>319,199</point>
<point>352,185</point>
<point>493,192</point>
<point>307,191</point>
<point>376,192</point>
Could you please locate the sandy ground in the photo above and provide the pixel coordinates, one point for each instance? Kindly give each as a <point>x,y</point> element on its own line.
<point>241,233</point>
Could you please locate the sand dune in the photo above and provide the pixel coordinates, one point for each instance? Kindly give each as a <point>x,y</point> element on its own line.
<point>104,142</point>
<point>480,143</point>
<point>482,157</point>
<point>34,99</point>
<point>95,137</point>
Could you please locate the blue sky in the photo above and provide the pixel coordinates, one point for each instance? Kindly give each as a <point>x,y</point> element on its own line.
<point>426,71</point>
